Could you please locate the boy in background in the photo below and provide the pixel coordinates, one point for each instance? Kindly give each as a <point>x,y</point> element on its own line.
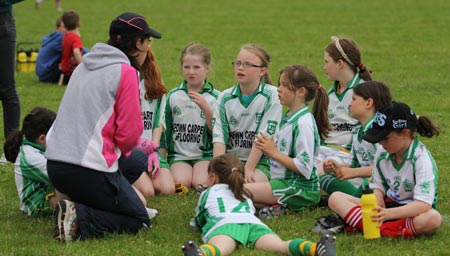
<point>72,46</point>
<point>47,63</point>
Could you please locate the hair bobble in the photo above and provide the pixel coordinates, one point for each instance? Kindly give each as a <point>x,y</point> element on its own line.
<point>319,86</point>
<point>361,65</point>
<point>234,169</point>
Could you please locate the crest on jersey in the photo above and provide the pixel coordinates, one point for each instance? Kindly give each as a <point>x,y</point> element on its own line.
<point>271,127</point>
<point>233,121</point>
<point>177,110</point>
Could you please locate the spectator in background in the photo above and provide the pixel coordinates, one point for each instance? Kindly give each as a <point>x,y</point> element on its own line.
<point>47,63</point>
<point>72,46</point>
<point>8,94</point>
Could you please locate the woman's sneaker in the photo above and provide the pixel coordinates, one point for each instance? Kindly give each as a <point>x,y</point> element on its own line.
<point>272,211</point>
<point>191,249</point>
<point>326,246</point>
<point>152,213</point>
<point>66,228</point>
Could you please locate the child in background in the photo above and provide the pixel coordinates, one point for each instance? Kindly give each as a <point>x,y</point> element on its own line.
<point>188,138</point>
<point>404,178</point>
<point>25,148</point>
<point>367,99</point>
<point>153,102</point>
<point>72,47</point>
<point>49,57</point>
<point>245,110</point>
<point>344,66</point>
<point>225,215</point>
<point>294,182</point>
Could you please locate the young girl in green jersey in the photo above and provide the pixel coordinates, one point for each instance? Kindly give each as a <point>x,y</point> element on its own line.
<point>246,109</point>
<point>351,178</point>
<point>225,215</point>
<point>293,150</point>
<point>404,179</point>
<point>188,137</point>
<point>344,66</point>
<point>25,148</point>
<point>153,102</point>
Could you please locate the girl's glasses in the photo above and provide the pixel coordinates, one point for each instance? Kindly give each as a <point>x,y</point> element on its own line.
<point>238,63</point>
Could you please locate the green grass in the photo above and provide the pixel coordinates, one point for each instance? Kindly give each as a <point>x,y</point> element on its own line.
<point>405,43</point>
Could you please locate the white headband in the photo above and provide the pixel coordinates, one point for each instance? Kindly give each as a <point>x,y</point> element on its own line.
<point>335,39</point>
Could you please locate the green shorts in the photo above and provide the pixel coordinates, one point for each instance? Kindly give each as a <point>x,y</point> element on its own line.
<point>162,162</point>
<point>294,197</point>
<point>244,233</point>
<point>265,168</point>
<point>190,162</point>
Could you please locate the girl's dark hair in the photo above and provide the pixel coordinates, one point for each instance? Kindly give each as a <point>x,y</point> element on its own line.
<point>426,128</point>
<point>345,46</point>
<point>379,92</point>
<point>300,76</point>
<point>229,169</point>
<point>35,123</point>
<point>127,44</point>
<point>262,55</point>
<point>154,87</point>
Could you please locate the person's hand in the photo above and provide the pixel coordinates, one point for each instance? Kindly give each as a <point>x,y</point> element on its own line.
<point>265,144</point>
<point>249,175</point>
<point>382,215</point>
<point>198,99</point>
<point>147,146</point>
<point>344,173</point>
<point>153,164</point>
<point>330,166</point>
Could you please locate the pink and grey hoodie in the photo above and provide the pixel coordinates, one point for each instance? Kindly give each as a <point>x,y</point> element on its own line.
<point>99,117</point>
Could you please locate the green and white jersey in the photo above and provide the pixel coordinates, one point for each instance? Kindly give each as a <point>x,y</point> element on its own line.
<point>236,121</point>
<point>416,178</point>
<point>187,136</point>
<point>299,139</point>
<point>342,123</point>
<point>363,152</point>
<point>32,182</point>
<point>217,206</point>
<point>152,112</point>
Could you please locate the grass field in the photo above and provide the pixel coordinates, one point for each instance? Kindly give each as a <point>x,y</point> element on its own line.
<point>405,43</point>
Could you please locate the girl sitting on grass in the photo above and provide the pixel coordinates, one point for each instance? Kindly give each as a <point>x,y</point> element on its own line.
<point>25,148</point>
<point>225,215</point>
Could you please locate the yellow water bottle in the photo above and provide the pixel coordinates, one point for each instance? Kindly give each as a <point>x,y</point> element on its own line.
<point>368,202</point>
<point>32,60</point>
<point>22,65</point>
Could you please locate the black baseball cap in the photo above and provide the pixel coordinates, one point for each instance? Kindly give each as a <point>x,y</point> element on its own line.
<point>131,24</point>
<point>392,117</point>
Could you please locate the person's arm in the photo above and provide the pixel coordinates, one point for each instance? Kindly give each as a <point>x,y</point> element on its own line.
<point>201,102</point>
<point>219,149</point>
<point>77,55</point>
<point>267,146</point>
<point>346,172</point>
<point>128,111</point>
<point>219,128</point>
<point>412,209</point>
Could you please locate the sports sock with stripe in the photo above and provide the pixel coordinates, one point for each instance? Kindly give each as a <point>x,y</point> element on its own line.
<point>302,247</point>
<point>354,218</point>
<point>210,250</point>
<point>400,228</point>
<point>330,183</point>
